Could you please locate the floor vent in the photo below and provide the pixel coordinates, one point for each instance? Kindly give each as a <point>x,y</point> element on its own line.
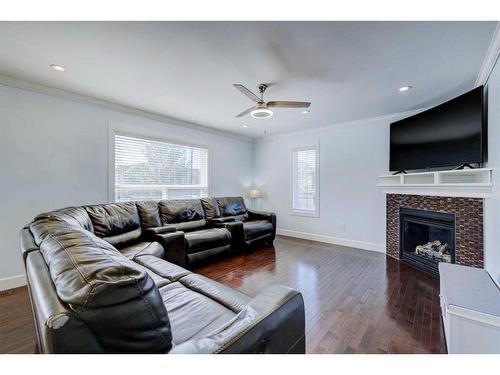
<point>8,292</point>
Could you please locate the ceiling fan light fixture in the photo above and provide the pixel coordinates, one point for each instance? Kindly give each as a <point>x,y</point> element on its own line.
<point>58,68</point>
<point>405,88</point>
<point>261,109</point>
<point>261,113</point>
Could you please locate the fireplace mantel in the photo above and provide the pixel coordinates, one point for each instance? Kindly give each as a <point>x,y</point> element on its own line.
<point>468,183</point>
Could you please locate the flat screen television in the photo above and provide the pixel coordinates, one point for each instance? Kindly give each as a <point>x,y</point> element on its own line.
<point>452,134</point>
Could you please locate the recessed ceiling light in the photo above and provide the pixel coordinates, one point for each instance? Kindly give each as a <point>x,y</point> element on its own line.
<point>305,111</point>
<point>405,88</point>
<point>245,126</point>
<point>58,68</point>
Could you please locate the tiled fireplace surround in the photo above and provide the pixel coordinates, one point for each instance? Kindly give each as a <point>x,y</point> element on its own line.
<point>468,223</point>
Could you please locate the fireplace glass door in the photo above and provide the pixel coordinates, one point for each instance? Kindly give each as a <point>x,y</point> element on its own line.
<point>428,241</point>
<point>427,238</point>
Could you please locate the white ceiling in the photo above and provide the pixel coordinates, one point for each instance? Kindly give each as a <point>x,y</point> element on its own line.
<point>185,70</point>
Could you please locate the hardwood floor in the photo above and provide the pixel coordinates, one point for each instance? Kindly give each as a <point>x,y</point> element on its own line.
<point>356,301</point>
<point>17,329</point>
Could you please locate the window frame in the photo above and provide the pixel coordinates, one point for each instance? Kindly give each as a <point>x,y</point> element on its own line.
<point>151,136</point>
<point>298,212</point>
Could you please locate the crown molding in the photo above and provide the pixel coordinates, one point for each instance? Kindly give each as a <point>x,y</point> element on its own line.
<point>73,96</point>
<point>341,125</point>
<point>490,58</point>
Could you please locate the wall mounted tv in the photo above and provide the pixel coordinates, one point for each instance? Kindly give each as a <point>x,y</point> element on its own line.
<point>449,135</point>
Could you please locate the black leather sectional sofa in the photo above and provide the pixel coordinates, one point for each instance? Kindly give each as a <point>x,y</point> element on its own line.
<point>196,229</point>
<point>102,279</point>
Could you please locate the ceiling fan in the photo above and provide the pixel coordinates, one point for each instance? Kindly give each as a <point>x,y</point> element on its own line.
<point>261,109</point>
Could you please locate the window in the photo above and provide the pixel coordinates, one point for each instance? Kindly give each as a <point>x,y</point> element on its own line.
<point>150,169</point>
<point>305,194</point>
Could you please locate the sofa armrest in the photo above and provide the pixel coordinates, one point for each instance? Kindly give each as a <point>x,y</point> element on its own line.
<point>260,215</point>
<point>221,220</point>
<point>272,322</point>
<point>263,215</point>
<point>175,247</point>
<point>150,233</point>
<point>229,225</point>
<point>56,325</point>
<point>236,230</point>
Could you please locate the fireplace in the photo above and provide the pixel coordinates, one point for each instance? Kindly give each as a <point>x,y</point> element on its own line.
<point>467,248</point>
<point>426,238</point>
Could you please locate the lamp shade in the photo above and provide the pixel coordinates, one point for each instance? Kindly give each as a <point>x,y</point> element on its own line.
<point>254,193</point>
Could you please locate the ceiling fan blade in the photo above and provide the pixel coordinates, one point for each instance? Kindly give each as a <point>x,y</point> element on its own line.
<point>286,104</point>
<point>245,112</point>
<point>247,92</point>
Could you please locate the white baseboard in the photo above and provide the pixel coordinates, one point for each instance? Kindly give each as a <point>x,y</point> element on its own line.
<point>12,282</point>
<point>372,246</point>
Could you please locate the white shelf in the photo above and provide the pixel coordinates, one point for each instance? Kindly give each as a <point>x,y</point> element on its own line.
<point>476,183</point>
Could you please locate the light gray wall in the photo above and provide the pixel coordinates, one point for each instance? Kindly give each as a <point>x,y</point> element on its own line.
<point>54,153</point>
<point>492,205</point>
<point>352,155</point>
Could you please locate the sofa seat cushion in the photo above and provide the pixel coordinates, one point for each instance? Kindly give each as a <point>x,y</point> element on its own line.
<point>257,228</point>
<point>161,267</point>
<point>207,239</point>
<point>192,314</point>
<point>151,248</point>
<point>229,297</point>
<point>158,280</point>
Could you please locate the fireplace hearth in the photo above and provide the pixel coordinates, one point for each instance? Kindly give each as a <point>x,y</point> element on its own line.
<point>426,238</point>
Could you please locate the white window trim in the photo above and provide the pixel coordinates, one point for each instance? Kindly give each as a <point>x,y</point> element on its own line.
<point>132,131</point>
<point>294,212</point>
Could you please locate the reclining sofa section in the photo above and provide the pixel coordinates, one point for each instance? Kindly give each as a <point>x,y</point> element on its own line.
<point>100,281</point>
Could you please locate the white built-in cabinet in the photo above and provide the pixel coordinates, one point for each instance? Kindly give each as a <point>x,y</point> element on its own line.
<point>470,307</point>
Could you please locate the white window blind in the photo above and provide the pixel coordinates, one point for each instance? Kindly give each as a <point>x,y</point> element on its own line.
<point>305,181</point>
<point>150,169</point>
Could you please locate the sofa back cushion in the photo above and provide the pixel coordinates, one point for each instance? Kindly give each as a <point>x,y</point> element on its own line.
<point>50,222</point>
<point>117,223</point>
<point>113,296</point>
<point>149,214</point>
<point>211,208</point>
<point>232,206</point>
<point>183,211</point>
